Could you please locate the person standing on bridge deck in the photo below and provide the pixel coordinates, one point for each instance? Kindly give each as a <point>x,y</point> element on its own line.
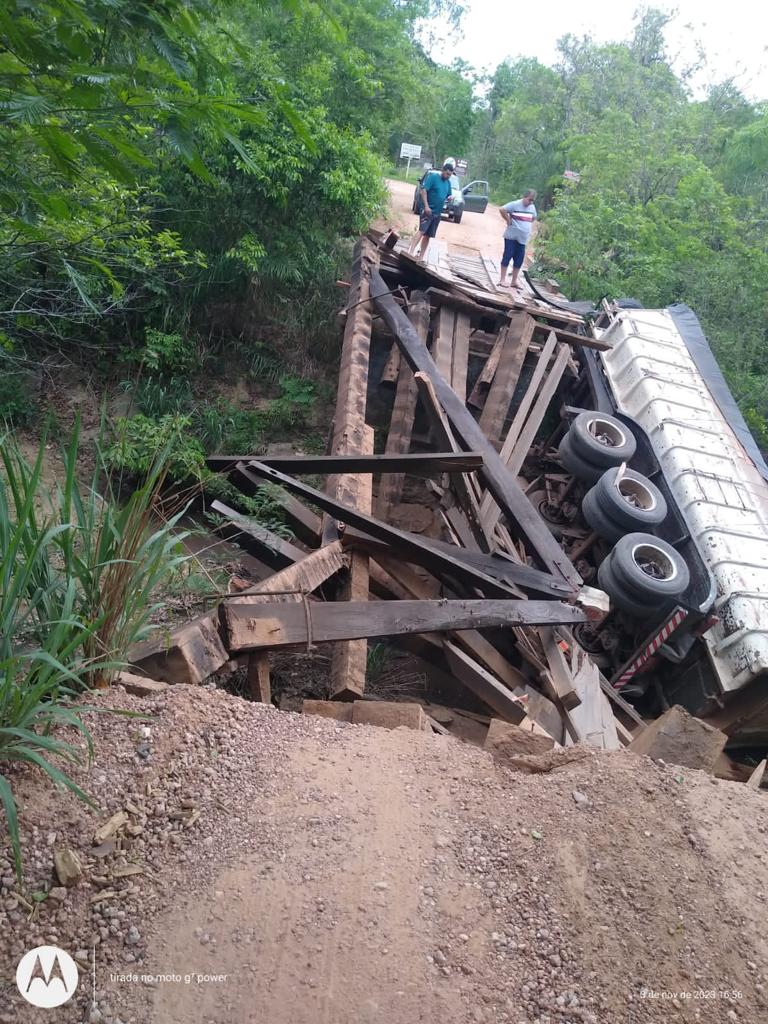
<point>433,192</point>
<point>519,216</point>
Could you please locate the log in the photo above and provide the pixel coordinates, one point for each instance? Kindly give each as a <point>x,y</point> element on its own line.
<point>253,627</point>
<point>504,487</point>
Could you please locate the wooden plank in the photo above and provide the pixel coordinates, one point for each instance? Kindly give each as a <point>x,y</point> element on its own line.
<point>483,684</point>
<point>352,436</point>
<point>256,539</point>
<point>255,626</point>
<point>259,683</point>
<point>528,398</point>
<point>518,336</point>
<point>412,547</point>
<point>559,670</point>
<point>508,571</point>
<point>504,487</point>
<point>460,301</point>
<point>460,356</point>
<point>479,392</point>
<point>539,411</point>
<point>415,463</point>
<point>442,340</point>
<point>483,650</point>
<point>476,570</point>
<point>446,439</point>
<point>593,717</point>
<point>403,410</point>
<point>303,576</point>
<point>574,340</point>
<point>490,512</point>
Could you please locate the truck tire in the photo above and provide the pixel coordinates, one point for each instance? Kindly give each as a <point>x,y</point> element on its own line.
<point>621,597</point>
<point>457,216</point>
<point>671,576</point>
<point>581,468</point>
<point>601,439</point>
<point>599,520</point>
<point>646,508</point>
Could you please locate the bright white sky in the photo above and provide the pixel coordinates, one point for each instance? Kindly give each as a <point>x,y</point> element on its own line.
<point>733,34</point>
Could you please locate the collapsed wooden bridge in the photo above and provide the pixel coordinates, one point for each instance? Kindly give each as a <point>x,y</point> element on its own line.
<point>424,533</point>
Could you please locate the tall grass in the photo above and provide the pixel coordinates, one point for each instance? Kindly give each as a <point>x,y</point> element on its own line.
<point>79,572</point>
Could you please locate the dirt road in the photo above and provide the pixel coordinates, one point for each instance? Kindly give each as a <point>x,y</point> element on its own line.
<point>289,869</point>
<point>478,231</point>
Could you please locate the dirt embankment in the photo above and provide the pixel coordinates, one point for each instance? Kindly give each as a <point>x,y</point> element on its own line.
<point>295,869</point>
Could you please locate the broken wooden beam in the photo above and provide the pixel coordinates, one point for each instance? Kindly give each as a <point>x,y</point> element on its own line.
<point>559,671</point>
<point>190,654</point>
<point>259,682</point>
<point>574,340</point>
<point>415,464</point>
<point>485,686</point>
<point>403,410</point>
<point>502,485</point>
<point>300,578</point>
<point>253,627</point>
<point>274,551</point>
<point>517,338</point>
<point>412,547</point>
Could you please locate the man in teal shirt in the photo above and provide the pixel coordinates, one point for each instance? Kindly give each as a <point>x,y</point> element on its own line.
<point>434,190</point>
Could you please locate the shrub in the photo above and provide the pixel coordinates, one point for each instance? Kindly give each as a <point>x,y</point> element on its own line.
<point>138,442</point>
<point>77,579</point>
<point>17,406</point>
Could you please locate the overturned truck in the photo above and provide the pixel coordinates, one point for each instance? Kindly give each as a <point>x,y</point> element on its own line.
<point>558,508</point>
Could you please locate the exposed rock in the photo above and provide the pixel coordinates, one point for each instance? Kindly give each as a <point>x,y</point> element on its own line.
<point>67,865</point>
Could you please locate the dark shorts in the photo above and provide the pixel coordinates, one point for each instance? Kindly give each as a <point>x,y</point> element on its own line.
<point>514,251</point>
<point>428,225</point>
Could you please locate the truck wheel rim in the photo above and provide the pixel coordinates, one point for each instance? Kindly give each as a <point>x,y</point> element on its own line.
<point>654,562</point>
<point>636,494</point>
<point>606,433</point>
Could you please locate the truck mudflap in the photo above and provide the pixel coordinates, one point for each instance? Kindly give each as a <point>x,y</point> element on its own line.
<point>650,647</point>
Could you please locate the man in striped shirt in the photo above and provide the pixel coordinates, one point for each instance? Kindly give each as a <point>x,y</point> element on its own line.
<point>519,216</point>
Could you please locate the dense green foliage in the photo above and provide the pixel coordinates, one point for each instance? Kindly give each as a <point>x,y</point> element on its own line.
<point>672,200</point>
<point>167,162</point>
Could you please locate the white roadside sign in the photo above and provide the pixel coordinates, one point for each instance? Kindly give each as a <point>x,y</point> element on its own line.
<point>409,151</point>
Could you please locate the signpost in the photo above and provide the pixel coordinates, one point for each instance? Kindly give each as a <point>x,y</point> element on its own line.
<point>461,167</point>
<point>410,152</point>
